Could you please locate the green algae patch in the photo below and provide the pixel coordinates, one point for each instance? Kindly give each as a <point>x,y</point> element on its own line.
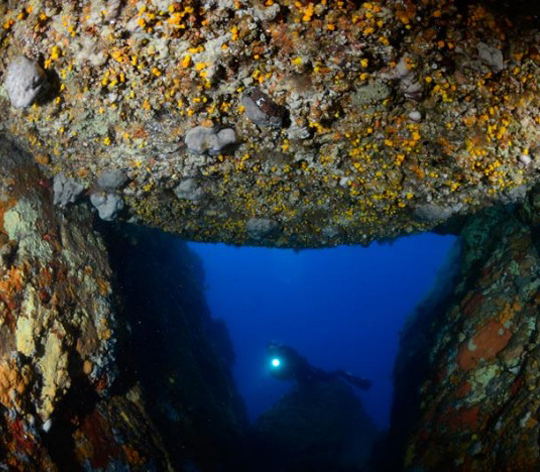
<point>20,225</point>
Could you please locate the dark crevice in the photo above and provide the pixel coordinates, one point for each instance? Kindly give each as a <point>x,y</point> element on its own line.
<point>170,350</point>
<point>79,402</point>
<point>411,369</point>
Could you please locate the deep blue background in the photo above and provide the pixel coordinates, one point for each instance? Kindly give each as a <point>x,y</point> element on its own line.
<point>341,308</point>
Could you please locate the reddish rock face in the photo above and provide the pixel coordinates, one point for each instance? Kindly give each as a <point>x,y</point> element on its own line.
<point>466,379</point>
<point>484,345</point>
<point>58,331</point>
<point>69,399</point>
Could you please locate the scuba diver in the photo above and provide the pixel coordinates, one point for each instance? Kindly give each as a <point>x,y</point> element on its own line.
<point>287,364</point>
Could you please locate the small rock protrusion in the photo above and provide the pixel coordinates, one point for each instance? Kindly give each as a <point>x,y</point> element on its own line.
<point>111,180</point>
<point>330,232</point>
<point>412,89</point>
<point>525,159</point>
<point>25,80</point>
<point>409,84</point>
<point>189,189</point>
<point>432,212</point>
<point>415,116</point>
<point>370,93</point>
<point>491,56</point>
<point>201,140</point>
<point>260,229</point>
<point>261,109</point>
<point>66,190</point>
<point>108,205</point>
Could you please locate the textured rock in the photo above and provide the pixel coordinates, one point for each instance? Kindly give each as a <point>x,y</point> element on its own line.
<point>200,140</point>
<point>132,79</point>
<point>25,80</point>
<point>108,205</point>
<point>466,394</point>
<point>55,313</point>
<point>86,381</point>
<point>189,189</point>
<point>40,319</point>
<point>112,180</point>
<point>261,109</point>
<point>66,190</point>
<point>372,92</point>
<point>491,56</point>
<point>260,229</point>
<point>432,212</point>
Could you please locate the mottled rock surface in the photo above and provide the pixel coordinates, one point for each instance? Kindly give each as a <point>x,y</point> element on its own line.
<point>466,393</point>
<point>129,80</point>
<point>58,338</point>
<point>95,381</point>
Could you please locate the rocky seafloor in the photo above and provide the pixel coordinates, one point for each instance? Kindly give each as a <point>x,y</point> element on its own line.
<point>278,123</point>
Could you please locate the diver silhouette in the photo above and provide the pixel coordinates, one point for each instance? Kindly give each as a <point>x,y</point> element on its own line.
<point>287,364</point>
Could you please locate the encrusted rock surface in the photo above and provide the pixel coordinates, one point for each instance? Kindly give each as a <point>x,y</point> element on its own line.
<point>467,378</point>
<point>390,106</point>
<point>71,395</point>
<point>55,283</point>
<point>58,335</point>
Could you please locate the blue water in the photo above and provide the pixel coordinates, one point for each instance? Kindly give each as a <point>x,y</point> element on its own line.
<point>341,308</point>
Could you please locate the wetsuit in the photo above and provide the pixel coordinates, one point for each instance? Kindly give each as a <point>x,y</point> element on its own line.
<point>293,366</point>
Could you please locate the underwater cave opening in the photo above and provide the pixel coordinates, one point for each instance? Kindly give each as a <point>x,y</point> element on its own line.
<point>341,308</point>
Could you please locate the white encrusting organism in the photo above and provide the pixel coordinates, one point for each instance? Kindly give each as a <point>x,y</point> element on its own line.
<point>201,140</point>
<point>25,80</point>
<point>108,205</point>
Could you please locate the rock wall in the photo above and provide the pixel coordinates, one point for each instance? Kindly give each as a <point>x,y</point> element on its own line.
<point>283,123</point>
<point>181,357</point>
<point>58,332</point>
<point>317,427</point>
<point>467,373</point>
<point>278,123</point>
<point>81,386</point>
